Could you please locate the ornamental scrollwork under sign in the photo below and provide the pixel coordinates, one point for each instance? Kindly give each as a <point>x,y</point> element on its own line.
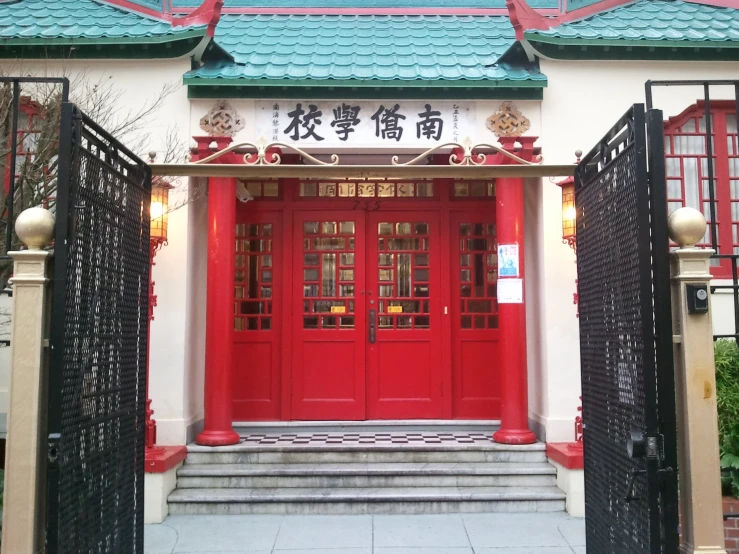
<point>463,154</point>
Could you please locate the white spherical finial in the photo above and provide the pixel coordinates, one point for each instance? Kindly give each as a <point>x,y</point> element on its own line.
<point>686,227</point>
<point>35,227</point>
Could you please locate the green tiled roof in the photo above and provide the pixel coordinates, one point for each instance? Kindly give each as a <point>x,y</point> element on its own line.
<point>324,49</point>
<point>69,22</point>
<point>660,21</point>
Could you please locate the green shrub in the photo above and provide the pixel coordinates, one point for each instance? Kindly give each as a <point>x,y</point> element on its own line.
<point>726,353</point>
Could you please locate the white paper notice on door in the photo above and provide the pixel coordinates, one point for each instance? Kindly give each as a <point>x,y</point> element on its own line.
<point>510,291</point>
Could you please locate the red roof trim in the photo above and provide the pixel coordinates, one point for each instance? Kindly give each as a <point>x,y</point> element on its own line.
<point>525,19</point>
<point>717,3</point>
<point>138,8</point>
<point>209,13</point>
<point>371,11</point>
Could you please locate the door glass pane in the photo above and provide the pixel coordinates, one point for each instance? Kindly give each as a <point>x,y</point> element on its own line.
<point>327,287</point>
<point>253,277</point>
<point>405,246</point>
<point>310,227</point>
<point>404,275</point>
<point>478,273</point>
<point>328,275</point>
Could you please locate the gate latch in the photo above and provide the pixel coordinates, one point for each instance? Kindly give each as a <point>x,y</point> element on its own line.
<point>640,446</point>
<point>630,486</point>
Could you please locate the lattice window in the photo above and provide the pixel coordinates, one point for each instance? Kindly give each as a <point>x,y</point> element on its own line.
<point>478,276</point>
<point>254,277</point>
<point>329,289</point>
<point>474,189</point>
<point>263,189</point>
<point>367,189</point>
<point>686,165</point>
<point>403,275</point>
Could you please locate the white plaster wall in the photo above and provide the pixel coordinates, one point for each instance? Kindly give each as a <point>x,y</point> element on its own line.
<point>140,83</point>
<point>581,103</point>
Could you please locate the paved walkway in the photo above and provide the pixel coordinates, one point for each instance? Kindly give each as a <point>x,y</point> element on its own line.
<point>528,533</point>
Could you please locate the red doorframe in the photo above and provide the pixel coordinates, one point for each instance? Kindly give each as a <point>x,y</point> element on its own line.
<point>217,421</point>
<point>450,211</point>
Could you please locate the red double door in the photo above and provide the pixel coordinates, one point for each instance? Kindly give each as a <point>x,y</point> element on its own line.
<point>367,338</point>
<point>352,315</point>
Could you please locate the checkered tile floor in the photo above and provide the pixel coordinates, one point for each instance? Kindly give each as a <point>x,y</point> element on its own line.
<point>313,439</point>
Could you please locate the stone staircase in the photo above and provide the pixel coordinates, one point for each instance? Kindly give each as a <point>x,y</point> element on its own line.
<point>366,469</point>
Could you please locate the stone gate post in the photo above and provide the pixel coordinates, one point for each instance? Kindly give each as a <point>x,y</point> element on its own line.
<point>25,484</point>
<point>701,514</point>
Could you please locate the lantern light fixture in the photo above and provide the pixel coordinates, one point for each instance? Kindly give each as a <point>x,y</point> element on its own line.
<point>159,216</point>
<point>569,209</point>
<point>159,211</point>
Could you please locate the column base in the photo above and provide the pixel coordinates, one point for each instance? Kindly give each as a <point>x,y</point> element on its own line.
<point>514,436</point>
<point>218,438</point>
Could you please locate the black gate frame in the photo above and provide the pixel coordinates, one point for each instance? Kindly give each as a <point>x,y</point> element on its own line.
<point>615,523</point>
<point>98,340</point>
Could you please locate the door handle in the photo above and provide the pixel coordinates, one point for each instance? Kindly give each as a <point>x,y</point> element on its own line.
<point>372,326</point>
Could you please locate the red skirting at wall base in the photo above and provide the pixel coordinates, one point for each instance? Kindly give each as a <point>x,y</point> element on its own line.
<point>162,459</point>
<point>566,454</point>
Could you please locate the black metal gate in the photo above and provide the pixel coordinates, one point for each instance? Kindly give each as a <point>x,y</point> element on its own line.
<point>626,341</point>
<point>98,344</point>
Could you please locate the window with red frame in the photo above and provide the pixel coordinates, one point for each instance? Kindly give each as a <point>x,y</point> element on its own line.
<point>686,164</point>
<point>30,116</point>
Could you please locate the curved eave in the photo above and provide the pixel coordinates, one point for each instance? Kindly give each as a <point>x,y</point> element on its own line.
<point>365,89</point>
<point>367,83</point>
<point>625,49</point>
<point>164,46</point>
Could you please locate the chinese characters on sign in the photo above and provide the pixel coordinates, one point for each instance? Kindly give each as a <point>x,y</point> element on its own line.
<point>404,123</point>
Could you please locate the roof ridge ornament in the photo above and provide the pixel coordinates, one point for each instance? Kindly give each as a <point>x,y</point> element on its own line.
<point>208,13</point>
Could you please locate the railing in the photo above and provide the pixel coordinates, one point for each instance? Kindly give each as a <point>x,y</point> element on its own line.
<point>706,87</point>
<point>29,137</point>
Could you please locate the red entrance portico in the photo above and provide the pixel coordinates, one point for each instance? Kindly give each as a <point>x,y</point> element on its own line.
<point>366,297</point>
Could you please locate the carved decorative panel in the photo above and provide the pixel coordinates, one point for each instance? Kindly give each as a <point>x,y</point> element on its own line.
<point>222,121</point>
<point>508,121</point>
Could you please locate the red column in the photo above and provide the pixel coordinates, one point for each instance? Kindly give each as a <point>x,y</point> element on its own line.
<point>514,427</point>
<point>218,429</point>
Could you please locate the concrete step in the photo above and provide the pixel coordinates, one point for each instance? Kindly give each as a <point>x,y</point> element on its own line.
<point>373,426</point>
<point>362,475</point>
<point>370,453</point>
<point>414,500</point>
